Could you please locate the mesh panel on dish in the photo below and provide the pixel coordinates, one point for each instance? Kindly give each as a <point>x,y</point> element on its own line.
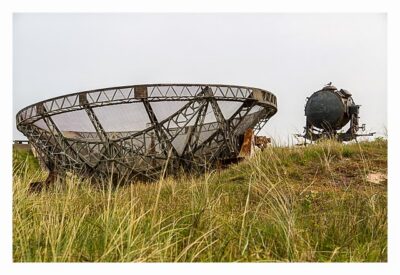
<point>41,124</point>
<point>228,108</point>
<point>123,117</point>
<point>210,116</point>
<point>207,130</point>
<point>164,109</point>
<point>249,122</point>
<point>76,121</point>
<point>255,109</point>
<point>179,142</point>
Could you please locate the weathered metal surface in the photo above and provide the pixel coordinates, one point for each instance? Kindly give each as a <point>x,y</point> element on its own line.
<point>140,92</point>
<point>144,130</point>
<point>248,146</point>
<point>328,111</point>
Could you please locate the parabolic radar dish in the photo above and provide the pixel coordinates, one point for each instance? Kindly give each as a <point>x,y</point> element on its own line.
<point>143,130</point>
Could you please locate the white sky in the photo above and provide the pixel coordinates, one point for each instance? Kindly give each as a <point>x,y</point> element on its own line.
<point>291,55</point>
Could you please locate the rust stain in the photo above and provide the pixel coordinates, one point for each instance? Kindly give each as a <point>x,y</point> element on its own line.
<point>247,149</point>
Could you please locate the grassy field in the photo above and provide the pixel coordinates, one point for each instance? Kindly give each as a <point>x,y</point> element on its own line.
<point>326,202</point>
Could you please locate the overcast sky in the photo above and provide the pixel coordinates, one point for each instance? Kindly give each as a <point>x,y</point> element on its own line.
<point>291,55</point>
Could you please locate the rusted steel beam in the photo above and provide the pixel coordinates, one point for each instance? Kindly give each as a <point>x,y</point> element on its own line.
<point>93,118</point>
<point>194,135</point>
<point>162,137</point>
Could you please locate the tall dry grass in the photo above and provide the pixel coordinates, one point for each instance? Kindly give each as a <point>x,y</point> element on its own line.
<point>285,204</point>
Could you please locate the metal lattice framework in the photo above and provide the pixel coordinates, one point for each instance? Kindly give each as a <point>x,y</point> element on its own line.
<point>143,130</point>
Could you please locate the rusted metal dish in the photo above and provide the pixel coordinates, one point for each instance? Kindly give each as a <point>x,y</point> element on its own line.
<point>144,130</point>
